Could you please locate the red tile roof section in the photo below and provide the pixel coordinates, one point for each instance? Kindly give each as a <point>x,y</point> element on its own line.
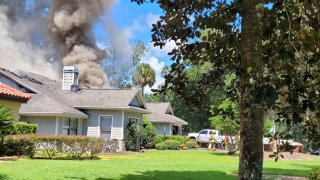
<point>7,90</point>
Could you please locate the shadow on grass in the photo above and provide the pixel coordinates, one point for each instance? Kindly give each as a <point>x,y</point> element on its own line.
<point>4,177</point>
<point>216,153</point>
<point>289,172</point>
<point>165,175</point>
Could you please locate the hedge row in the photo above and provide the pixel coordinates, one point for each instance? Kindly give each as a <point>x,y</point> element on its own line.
<point>181,139</point>
<point>23,128</point>
<point>50,146</point>
<point>169,145</point>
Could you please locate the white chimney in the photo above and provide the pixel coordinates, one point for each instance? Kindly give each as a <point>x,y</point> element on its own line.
<point>70,77</point>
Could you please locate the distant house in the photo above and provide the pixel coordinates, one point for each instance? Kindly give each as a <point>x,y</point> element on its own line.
<point>163,119</point>
<point>12,98</point>
<point>61,108</point>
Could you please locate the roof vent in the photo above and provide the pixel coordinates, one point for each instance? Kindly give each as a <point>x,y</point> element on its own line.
<point>70,77</point>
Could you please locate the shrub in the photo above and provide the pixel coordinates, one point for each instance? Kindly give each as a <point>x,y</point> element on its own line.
<point>132,136</point>
<point>148,134</point>
<point>314,173</point>
<point>19,146</point>
<point>96,146</point>
<point>168,145</point>
<point>181,139</point>
<point>23,128</point>
<point>75,147</point>
<point>191,144</point>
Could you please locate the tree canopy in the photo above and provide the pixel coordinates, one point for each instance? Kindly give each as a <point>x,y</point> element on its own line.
<point>271,46</point>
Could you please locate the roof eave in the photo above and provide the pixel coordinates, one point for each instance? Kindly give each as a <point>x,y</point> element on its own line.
<point>132,108</point>
<point>62,114</point>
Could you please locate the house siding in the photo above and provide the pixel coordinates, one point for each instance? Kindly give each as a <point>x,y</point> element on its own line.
<point>14,106</point>
<point>135,102</point>
<point>46,125</point>
<point>92,124</point>
<point>160,128</point>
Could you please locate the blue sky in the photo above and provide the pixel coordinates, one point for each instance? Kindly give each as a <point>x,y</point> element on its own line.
<point>131,22</point>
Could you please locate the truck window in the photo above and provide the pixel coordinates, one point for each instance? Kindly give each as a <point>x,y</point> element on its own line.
<point>203,132</point>
<point>210,132</point>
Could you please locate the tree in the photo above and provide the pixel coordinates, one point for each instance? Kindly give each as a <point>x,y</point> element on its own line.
<point>120,67</point>
<point>6,122</point>
<point>148,133</point>
<point>272,47</point>
<point>143,75</point>
<point>226,119</point>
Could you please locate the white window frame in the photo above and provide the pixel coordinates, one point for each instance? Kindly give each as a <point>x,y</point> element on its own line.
<point>99,122</point>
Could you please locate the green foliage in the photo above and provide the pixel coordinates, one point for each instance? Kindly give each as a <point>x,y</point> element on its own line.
<point>6,121</point>
<point>314,173</point>
<point>191,144</point>
<point>268,125</point>
<point>132,136</point>
<point>226,117</point>
<point>148,134</point>
<point>23,128</point>
<point>20,146</point>
<point>181,139</point>
<point>144,75</point>
<point>73,147</point>
<point>169,145</point>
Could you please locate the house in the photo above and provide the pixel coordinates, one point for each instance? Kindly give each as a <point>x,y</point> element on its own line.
<point>163,119</point>
<point>12,98</point>
<point>61,108</point>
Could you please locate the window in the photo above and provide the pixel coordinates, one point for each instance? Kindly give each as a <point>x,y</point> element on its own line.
<point>203,132</point>
<point>70,126</point>
<point>133,120</point>
<point>105,126</point>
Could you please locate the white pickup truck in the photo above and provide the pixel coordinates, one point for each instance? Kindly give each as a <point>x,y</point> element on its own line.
<point>204,136</point>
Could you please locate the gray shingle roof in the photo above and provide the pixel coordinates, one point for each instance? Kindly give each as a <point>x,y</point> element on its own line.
<point>165,118</point>
<point>162,107</point>
<point>100,97</point>
<point>162,113</point>
<point>40,103</point>
<point>51,98</point>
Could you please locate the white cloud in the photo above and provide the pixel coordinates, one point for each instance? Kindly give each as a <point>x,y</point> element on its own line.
<point>169,46</point>
<point>152,19</point>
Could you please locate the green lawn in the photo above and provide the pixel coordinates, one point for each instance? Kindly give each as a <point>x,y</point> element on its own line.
<point>148,165</point>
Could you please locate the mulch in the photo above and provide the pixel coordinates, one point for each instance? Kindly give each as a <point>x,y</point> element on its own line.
<point>289,156</point>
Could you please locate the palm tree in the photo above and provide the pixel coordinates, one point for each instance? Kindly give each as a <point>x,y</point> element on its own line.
<point>6,122</point>
<point>143,75</point>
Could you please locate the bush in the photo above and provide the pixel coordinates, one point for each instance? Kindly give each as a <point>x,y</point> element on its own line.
<point>181,139</point>
<point>168,145</point>
<point>148,134</point>
<point>191,144</point>
<point>23,128</point>
<point>132,136</point>
<point>19,146</point>
<point>74,147</point>
<point>315,173</point>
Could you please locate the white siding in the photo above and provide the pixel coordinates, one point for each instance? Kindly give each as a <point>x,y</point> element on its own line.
<point>46,125</point>
<point>92,123</point>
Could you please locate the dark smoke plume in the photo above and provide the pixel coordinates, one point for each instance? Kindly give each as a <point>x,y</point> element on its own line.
<point>71,22</point>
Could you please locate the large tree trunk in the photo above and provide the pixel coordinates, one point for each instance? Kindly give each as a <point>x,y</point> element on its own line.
<point>251,130</point>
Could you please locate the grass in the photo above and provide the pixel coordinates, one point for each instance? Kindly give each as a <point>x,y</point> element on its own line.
<point>148,165</point>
